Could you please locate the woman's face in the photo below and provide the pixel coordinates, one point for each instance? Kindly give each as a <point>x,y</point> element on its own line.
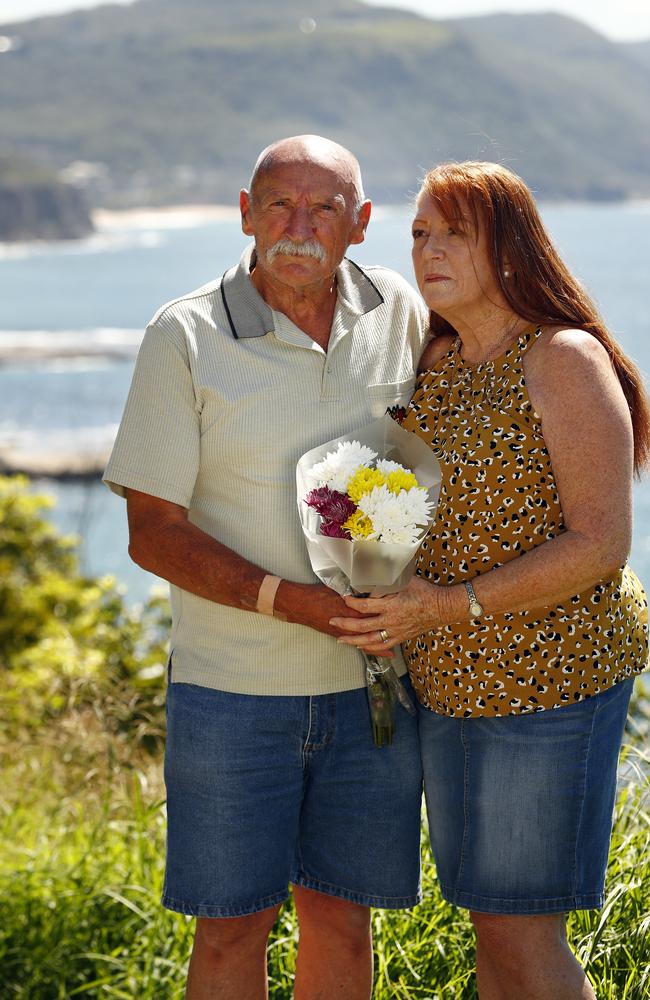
<point>451,262</point>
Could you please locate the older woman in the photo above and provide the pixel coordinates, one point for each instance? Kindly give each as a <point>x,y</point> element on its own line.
<point>523,628</point>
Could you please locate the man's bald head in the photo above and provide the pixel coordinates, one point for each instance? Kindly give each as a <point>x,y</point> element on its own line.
<point>312,149</point>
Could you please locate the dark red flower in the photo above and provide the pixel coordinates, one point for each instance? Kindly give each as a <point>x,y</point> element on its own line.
<point>334,530</point>
<point>334,508</point>
<point>330,504</point>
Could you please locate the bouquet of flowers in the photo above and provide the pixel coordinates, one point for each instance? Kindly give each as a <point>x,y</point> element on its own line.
<point>365,502</point>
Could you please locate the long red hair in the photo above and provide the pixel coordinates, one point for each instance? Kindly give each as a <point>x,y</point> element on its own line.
<point>541,288</point>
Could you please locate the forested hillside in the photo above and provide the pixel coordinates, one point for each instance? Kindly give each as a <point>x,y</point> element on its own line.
<point>173,100</point>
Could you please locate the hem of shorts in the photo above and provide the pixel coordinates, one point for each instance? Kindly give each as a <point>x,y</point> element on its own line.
<point>363,899</point>
<point>215,910</point>
<point>530,907</point>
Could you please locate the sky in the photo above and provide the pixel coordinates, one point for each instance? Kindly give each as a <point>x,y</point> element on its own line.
<point>621,20</point>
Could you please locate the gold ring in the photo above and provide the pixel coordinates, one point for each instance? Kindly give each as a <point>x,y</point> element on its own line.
<point>384,635</point>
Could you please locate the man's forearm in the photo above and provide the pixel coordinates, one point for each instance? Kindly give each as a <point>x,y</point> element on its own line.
<point>191,559</point>
<point>164,542</point>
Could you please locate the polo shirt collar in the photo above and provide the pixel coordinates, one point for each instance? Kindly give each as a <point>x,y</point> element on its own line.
<point>250,316</point>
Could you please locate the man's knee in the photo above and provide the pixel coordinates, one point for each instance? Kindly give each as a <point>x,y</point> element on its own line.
<point>506,933</point>
<point>331,915</point>
<point>220,934</point>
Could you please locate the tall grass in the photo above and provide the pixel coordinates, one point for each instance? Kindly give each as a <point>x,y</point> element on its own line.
<point>82,829</point>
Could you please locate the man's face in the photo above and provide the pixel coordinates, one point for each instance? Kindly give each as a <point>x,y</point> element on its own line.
<point>302,216</point>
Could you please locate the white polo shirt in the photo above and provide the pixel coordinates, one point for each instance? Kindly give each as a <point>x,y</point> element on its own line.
<point>226,396</point>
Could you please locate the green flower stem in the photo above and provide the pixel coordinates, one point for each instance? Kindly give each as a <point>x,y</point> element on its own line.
<point>381,700</point>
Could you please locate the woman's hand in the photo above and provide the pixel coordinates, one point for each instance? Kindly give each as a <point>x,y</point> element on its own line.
<point>402,616</point>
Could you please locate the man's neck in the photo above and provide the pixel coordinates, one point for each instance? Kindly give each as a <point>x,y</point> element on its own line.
<point>311,307</point>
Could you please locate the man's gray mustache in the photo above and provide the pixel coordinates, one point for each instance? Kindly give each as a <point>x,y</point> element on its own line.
<point>285,246</point>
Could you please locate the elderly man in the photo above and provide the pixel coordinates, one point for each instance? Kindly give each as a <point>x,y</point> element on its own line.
<point>272,776</point>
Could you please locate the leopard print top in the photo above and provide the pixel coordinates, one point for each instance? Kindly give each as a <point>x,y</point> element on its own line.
<point>499,499</point>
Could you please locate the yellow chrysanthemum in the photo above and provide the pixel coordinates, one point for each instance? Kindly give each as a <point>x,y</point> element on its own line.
<point>400,480</point>
<point>363,481</point>
<point>359,525</point>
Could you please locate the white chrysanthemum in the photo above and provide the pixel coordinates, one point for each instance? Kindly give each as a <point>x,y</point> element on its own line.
<point>417,505</point>
<point>385,465</point>
<point>338,467</point>
<point>397,518</point>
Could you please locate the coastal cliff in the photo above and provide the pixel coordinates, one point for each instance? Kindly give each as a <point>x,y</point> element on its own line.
<point>38,206</point>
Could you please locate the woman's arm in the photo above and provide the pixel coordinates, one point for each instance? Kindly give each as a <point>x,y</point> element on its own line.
<point>588,433</point>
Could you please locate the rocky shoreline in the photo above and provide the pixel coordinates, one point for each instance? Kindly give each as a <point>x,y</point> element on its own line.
<point>42,210</point>
<point>63,468</point>
<point>80,457</point>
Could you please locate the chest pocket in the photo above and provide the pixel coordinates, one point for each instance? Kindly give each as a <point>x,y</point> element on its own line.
<point>381,395</point>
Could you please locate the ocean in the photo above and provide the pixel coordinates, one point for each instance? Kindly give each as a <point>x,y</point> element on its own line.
<point>72,315</point>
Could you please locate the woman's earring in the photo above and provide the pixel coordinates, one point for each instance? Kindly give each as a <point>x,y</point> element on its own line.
<point>506,273</point>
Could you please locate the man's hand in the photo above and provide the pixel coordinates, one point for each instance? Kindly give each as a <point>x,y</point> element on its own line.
<point>312,605</point>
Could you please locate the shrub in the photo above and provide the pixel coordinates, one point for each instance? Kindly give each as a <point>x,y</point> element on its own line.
<point>68,641</point>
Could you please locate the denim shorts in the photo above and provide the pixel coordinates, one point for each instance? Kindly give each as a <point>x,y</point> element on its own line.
<point>264,791</point>
<point>520,807</point>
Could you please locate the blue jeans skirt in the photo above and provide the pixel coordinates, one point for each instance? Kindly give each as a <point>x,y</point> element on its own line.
<point>264,791</point>
<point>520,807</point>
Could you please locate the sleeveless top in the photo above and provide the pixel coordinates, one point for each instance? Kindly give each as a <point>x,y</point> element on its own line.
<point>499,499</point>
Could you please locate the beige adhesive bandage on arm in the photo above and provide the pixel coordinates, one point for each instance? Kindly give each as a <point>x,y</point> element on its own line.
<point>266,594</point>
